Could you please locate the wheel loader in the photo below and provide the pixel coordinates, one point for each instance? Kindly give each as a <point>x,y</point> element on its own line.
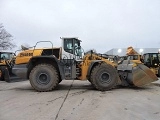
<point>6,64</point>
<point>47,67</point>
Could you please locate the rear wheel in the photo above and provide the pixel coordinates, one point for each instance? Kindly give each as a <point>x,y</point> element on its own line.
<point>44,77</point>
<point>104,77</point>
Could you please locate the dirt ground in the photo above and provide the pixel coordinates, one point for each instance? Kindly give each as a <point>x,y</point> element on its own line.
<point>78,100</point>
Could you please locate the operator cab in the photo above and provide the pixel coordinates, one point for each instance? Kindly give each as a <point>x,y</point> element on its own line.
<point>72,47</point>
<point>6,56</point>
<point>152,59</point>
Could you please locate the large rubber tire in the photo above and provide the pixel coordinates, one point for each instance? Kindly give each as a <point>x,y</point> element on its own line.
<point>44,77</point>
<point>104,77</point>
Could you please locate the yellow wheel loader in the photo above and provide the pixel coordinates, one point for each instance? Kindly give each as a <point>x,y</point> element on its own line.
<point>6,64</point>
<point>46,68</point>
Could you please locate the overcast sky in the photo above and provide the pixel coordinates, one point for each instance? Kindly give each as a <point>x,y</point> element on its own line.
<point>100,24</point>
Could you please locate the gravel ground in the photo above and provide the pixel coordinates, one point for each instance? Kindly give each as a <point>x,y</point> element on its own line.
<point>78,100</point>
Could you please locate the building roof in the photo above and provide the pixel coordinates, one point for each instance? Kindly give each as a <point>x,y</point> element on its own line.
<point>122,51</point>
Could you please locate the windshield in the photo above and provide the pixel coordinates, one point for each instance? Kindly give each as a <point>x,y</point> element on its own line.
<point>78,49</point>
<point>155,57</point>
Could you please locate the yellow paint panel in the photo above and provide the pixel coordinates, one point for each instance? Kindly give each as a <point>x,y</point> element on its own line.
<point>84,69</point>
<point>24,57</point>
<point>2,62</point>
<point>87,61</point>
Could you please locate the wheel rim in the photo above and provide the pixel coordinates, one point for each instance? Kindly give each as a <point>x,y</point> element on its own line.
<point>105,77</point>
<point>43,79</point>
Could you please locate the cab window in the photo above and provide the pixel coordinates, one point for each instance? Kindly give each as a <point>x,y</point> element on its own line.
<point>68,45</point>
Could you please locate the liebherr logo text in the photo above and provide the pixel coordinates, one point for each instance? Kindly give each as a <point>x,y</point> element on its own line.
<point>26,54</point>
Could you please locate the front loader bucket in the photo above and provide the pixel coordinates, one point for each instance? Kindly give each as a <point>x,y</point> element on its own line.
<point>135,74</point>
<point>141,75</point>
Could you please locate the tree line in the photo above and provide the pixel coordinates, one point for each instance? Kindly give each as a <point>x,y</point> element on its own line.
<point>6,39</point>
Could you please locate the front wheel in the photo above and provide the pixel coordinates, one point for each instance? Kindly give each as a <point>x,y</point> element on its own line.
<point>104,77</point>
<point>44,77</point>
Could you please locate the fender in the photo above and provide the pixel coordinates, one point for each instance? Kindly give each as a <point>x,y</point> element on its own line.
<point>45,59</point>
